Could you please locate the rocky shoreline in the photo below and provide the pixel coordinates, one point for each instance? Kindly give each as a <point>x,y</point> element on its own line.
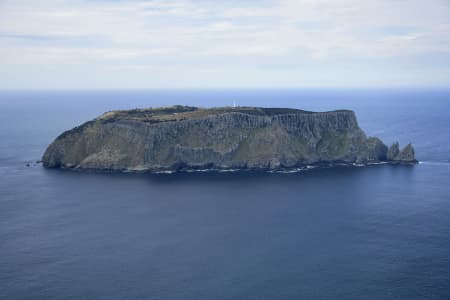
<point>296,169</point>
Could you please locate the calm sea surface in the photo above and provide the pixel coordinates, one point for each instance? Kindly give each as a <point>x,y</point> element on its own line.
<point>380,232</point>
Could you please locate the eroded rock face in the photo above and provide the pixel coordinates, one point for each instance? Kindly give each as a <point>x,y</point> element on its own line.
<point>393,151</point>
<point>406,155</point>
<point>183,137</point>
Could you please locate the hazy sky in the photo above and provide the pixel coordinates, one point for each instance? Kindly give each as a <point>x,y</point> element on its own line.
<point>205,43</point>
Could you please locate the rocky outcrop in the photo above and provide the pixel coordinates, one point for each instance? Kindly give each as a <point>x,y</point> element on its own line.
<point>181,137</point>
<point>406,155</point>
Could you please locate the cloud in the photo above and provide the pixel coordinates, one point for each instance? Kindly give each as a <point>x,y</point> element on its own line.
<point>229,37</point>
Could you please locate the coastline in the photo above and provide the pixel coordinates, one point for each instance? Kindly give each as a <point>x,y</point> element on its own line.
<point>282,170</point>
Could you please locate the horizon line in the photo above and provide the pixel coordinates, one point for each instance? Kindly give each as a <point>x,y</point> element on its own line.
<point>437,87</point>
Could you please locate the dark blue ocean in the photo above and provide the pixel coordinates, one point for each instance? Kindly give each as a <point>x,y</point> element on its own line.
<point>379,232</point>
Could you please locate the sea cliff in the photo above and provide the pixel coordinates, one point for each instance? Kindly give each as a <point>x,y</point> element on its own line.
<point>187,138</point>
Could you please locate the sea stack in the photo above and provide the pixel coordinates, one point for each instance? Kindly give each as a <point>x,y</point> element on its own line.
<point>406,155</point>
<point>181,138</point>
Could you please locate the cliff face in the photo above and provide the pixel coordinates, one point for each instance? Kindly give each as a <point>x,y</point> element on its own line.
<point>182,137</point>
<point>394,153</point>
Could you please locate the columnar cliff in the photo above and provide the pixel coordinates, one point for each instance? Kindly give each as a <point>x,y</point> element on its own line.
<point>182,138</point>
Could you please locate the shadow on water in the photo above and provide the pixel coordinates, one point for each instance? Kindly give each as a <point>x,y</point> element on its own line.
<point>225,175</point>
<point>230,176</point>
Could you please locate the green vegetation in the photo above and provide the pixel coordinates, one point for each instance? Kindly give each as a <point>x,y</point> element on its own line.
<point>179,112</point>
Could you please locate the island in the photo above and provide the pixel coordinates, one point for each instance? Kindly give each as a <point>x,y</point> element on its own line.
<point>184,138</point>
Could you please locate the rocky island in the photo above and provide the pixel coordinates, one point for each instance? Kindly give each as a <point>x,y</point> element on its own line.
<point>181,138</point>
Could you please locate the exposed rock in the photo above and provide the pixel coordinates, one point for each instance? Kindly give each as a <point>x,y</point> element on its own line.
<point>182,137</point>
<point>393,151</point>
<point>406,155</point>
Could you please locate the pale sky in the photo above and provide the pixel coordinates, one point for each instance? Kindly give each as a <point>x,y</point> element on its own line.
<point>103,44</point>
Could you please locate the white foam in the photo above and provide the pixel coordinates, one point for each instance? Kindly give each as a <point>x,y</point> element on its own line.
<point>165,172</point>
